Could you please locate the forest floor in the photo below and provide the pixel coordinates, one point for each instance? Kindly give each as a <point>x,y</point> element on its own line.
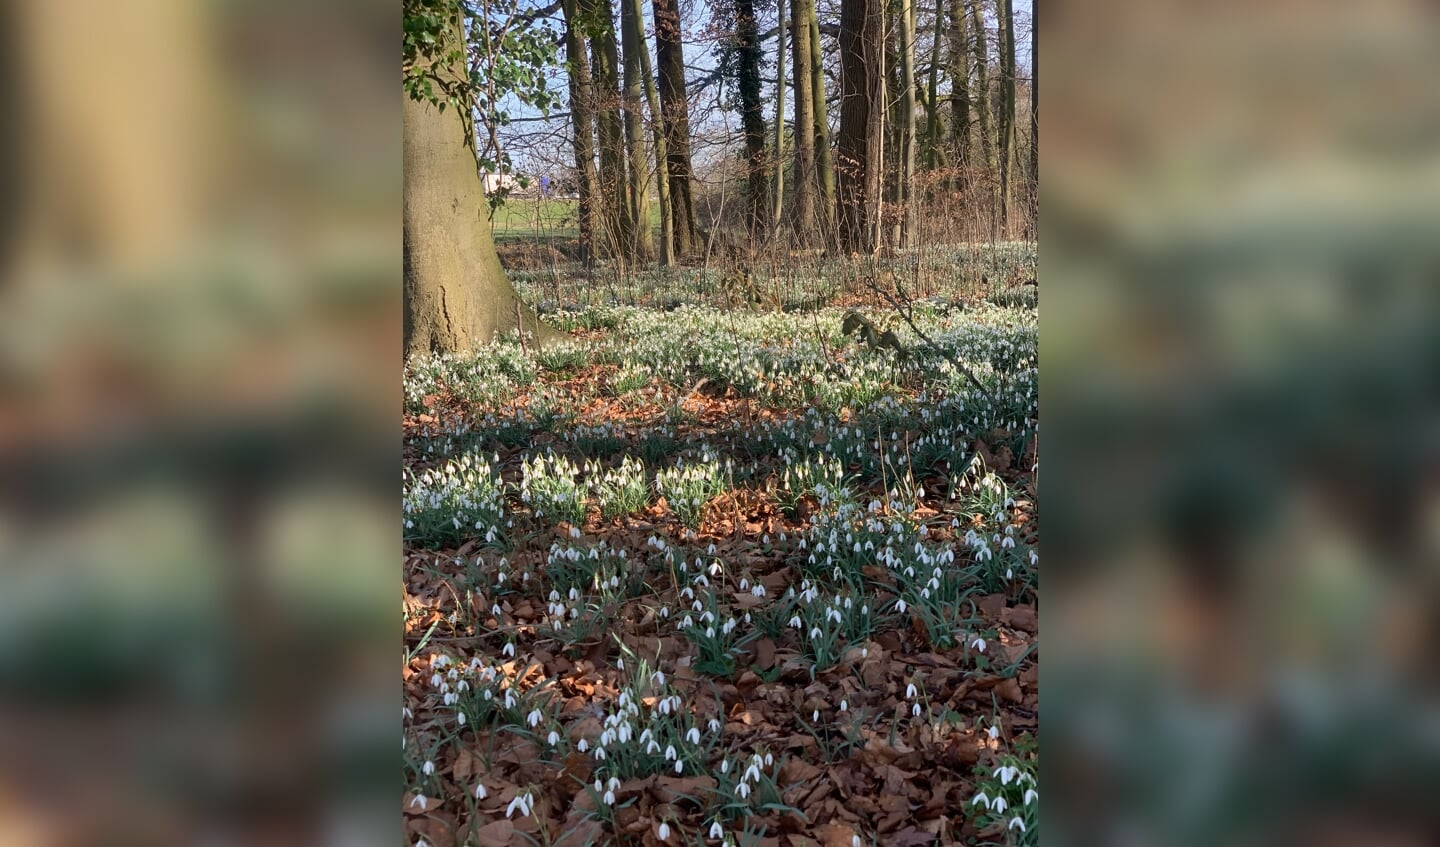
<point>709,574</point>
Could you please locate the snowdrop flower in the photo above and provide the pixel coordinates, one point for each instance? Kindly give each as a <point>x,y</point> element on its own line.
<point>509,649</point>
<point>522,803</point>
<point>1016,823</point>
<point>679,766</point>
<point>910,691</point>
<point>795,622</point>
<point>663,833</point>
<point>419,801</point>
<point>769,759</point>
<point>915,710</point>
<point>1031,795</point>
<point>693,736</point>
<point>480,791</point>
<point>900,605</point>
<point>533,718</point>
<point>742,790</point>
<point>994,732</point>
<point>998,805</point>
<point>724,765</point>
<point>428,769</point>
<point>981,797</point>
<point>716,830</point>
<point>669,752</point>
<point>1006,773</point>
<point>658,677</point>
<point>436,681</point>
<point>978,643</point>
<point>815,716</point>
<point>583,745</point>
<point>460,718</point>
<point>844,706</point>
<point>609,798</point>
<point>554,738</point>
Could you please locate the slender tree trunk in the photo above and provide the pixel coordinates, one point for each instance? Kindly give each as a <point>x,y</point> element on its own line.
<point>605,59</point>
<point>982,104</point>
<point>456,293</point>
<point>582,119</point>
<point>1005,12</point>
<point>752,119</point>
<point>934,150</point>
<point>820,115</point>
<point>802,206</point>
<point>862,124</point>
<point>907,126</point>
<point>959,90</point>
<point>642,248</point>
<point>778,185</point>
<point>1034,125</point>
<point>670,56</point>
<point>657,133</point>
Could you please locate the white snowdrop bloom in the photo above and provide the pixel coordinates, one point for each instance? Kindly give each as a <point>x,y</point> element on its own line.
<point>436,681</point>
<point>693,736</point>
<point>815,632</point>
<point>533,718</point>
<point>910,691</point>
<point>844,706</point>
<point>428,769</point>
<point>496,610</point>
<point>1006,773</point>
<point>574,532</point>
<point>1009,573</point>
<point>998,806</point>
<point>981,797</point>
<point>716,830</point>
<point>900,605</point>
<point>724,765</point>
<point>553,738</point>
<point>709,632</point>
<point>758,590</point>
<point>915,710</point>
<point>1031,795</point>
<point>522,803</point>
<point>620,663</point>
<point>795,622</point>
<point>599,786</point>
<point>1034,558</point>
<point>420,801</point>
<point>583,745</point>
<point>609,798</point>
<point>460,718</point>
<point>769,759</point>
<point>1016,823</point>
<point>599,754</point>
<point>480,791</point>
<point>679,766</point>
<point>669,752</point>
<point>978,643</point>
<point>714,724</point>
<point>994,732</point>
<point>742,790</point>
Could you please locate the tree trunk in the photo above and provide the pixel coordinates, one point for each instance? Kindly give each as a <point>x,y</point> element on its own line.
<point>778,185</point>
<point>657,132</point>
<point>605,57</point>
<point>457,296</point>
<point>1005,12</point>
<point>819,113</point>
<point>802,206</point>
<point>582,119</point>
<point>642,247</point>
<point>959,90</point>
<point>1034,127</point>
<point>982,104</point>
<point>862,124</point>
<point>670,56</point>
<point>934,150</point>
<point>752,119</point>
<point>907,126</point>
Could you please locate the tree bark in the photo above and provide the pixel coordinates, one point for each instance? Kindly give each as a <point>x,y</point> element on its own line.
<point>582,120</point>
<point>657,132</point>
<point>982,103</point>
<point>820,115</point>
<point>907,126</point>
<point>752,119</point>
<point>612,178</point>
<point>778,201</point>
<point>457,296</point>
<point>1005,12</point>
<point>802,206</point>
<point>862,124</point>
<point>1034,125</point>
<point>959,90</point>
<point>670,56</point>
<point>642,246</point>
<point>934,150</point>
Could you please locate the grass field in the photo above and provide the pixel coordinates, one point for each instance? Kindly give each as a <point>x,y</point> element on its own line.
<point>706,574</point>
<point>535,217</point>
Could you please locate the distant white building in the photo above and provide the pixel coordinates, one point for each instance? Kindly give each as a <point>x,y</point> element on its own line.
<point>495,182</point>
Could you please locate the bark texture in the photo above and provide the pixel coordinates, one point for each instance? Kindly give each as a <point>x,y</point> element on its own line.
<point>675,106</point>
